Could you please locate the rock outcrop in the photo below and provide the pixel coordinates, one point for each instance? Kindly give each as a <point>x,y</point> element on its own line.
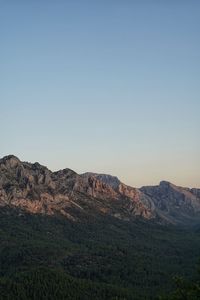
<point>35,189</point>
<point>174,203</point>
<point>139,204</point>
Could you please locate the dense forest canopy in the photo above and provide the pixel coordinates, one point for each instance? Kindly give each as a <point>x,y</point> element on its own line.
<point>43,257</point>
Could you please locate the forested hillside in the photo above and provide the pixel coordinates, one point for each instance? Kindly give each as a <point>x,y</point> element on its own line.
<point>50,257</point>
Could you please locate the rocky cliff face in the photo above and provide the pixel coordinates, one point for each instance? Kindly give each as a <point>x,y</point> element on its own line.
<point>139,203</point>
<point>176,204</point>
<point>34,188</point>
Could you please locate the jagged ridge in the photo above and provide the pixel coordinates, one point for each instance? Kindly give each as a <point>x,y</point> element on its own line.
<point>34,188</point>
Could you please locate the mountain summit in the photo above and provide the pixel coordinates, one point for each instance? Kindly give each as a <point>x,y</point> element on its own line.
<point>35,189</point>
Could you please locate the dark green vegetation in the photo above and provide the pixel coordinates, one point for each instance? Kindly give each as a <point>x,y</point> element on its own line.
<point>45,257</point>
<point>185,289</point>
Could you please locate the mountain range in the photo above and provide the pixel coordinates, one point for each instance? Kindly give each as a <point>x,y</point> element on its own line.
<point>35,189</point>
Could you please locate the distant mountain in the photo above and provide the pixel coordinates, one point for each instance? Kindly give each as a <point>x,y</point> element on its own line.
<point>34,188</point>
<point>174,203</point>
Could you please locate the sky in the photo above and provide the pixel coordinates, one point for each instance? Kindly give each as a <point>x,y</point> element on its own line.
<point>103,86</point>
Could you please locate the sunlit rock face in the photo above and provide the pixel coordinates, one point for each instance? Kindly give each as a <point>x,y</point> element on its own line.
<point>137,203</point>
<point>35,189</point>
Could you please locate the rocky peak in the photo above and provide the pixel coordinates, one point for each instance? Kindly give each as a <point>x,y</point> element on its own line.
<point>173,202</point>
<point>91,184</point>
<point>65,173</point>
<point>111,187</point>
<point>110,180</point>
<point>9,161</point>
<point>164,183</point>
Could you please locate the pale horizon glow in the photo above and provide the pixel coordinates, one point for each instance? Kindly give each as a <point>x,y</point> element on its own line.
<point>108,87</point>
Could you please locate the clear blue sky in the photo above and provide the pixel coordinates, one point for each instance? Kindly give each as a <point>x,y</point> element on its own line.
<point>104,86</point>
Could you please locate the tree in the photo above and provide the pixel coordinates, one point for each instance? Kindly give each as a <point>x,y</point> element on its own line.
<point>185,289</point>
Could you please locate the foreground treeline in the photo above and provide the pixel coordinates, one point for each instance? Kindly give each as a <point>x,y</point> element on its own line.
<point>185,289</point>
<point>52,258</point>
<point>51,284</point>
